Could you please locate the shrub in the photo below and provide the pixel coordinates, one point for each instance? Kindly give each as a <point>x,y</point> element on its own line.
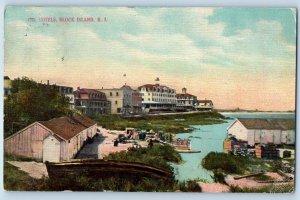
<point>158,155</point>
<point>225,162</point>
<point>189,186</point>
<point>219,176</point>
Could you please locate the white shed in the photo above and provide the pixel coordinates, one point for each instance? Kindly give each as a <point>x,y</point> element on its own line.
<point>58,139</point>
<point>263,131</point>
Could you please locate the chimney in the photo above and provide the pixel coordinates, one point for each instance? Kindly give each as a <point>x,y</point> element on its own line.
<point>184,90</point>
<point>47,82</point>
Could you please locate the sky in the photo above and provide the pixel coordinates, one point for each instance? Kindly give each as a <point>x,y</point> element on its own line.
<point>237,57</point>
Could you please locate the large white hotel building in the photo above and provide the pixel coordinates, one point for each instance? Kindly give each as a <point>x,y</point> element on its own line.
<point>157,97</point>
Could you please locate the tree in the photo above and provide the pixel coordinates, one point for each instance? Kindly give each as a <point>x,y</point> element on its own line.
<point>30,102</point>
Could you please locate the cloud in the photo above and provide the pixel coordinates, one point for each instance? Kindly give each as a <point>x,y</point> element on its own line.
<point>28,50</point>
<point>181,46</point>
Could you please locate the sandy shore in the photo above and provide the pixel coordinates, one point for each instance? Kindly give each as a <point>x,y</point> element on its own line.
<point>250,183</point>
<point>214,187</point>
<point>107,146</point>
<point>33,169</point>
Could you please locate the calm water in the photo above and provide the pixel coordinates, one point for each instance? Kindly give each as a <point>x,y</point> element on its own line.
<point>209,138</point>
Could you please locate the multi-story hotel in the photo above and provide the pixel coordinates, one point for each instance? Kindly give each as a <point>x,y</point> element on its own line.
<point>186,100</point>
<point>123,100</point>
<point>157,97</point>
<point>64,90</point>
<point>91,102</point>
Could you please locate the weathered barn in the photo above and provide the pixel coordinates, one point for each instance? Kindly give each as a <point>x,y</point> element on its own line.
<point>58,139</point>
<point>263,131</point>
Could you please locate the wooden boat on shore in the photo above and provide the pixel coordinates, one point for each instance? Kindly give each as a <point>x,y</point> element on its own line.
<point>248,175</point>
<point>103,169</point>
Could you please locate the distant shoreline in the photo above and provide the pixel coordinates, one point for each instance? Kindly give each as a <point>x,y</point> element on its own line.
<point>252,111</point>
<point>256,112</point>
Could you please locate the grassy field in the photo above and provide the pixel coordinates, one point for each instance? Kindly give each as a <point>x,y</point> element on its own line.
<point>168,123</point>
<point>16,180</point>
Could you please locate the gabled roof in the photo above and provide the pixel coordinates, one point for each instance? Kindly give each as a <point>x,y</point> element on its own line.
<point>67,127</point>
<point>126,87</point>
<point>268,124</point>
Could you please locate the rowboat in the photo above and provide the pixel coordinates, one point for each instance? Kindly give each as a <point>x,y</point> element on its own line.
<point>103,169</point>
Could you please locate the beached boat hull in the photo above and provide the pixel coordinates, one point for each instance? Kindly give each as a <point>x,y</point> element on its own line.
<point>104,169</point>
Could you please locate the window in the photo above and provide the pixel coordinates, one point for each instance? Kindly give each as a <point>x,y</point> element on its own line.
<point>110,94</point>
<point>287,154</point>
<point>117,93</point>
<point>116,102</point>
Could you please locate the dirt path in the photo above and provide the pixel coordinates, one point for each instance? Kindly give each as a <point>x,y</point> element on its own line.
<point>250,183</point>
<point>106,146</point>
<point>214,187</point>
<point>33,169</point>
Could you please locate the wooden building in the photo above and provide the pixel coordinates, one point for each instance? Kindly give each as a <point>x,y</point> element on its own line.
<point>91,102</point>
<point>124,100</point>
<point>58,139</point>
<point>204,105</point>
<point>185,100</point>
<point>263,131</point>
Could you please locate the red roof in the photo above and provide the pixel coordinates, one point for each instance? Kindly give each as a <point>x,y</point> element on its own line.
<point>87,91</point>
<point>91,92</point>
<point>67,127</point>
